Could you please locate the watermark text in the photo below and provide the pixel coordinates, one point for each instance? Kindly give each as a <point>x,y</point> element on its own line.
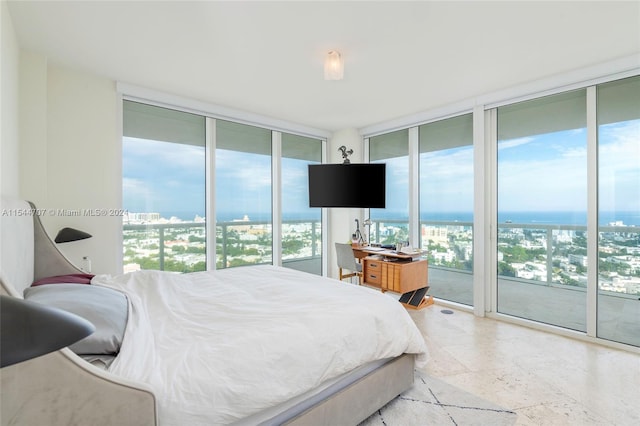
<point>66,212</point>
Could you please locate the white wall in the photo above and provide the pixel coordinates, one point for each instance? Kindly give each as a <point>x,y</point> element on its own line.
<point>70,156</point>
<point>9,180</point>
<point>33,126</point>
<point>342,220</point>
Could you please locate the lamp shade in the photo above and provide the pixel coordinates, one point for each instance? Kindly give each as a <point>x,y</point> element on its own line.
<point>30,329</point>
<point>66,235</point>
<point>333,66</point>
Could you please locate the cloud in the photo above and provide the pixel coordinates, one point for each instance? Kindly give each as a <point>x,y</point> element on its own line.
<point>449,164</point>
<point>513,143</point>
<point>619,146</point>
<point>134,187</point>
<point>549,172</point>
<point>245,174</point>
<point>446,180</point>
<point>573,152</point>
<point>619,166</point>
<point>143,153</point>
<point>295,180</point>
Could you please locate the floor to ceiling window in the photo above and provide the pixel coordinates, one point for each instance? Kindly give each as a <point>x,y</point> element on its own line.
<point>446,206</point>
<point>544,170</point>
<point>564,165</point>
<point>301,225</point>
<point>542,210</point>
<point>163,189</point>
<point>166,161</point>
<point>243,191</point>
<point>618,305</point>
<point>391,224</point>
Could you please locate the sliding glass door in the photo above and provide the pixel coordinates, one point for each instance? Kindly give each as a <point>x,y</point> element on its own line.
<point>542,210</point>
<point>391,224</point>
<point>446,206</point>
<point>618,110</point>
<point>163,189</point>
<point>243,195</point>
<point>301,225</point>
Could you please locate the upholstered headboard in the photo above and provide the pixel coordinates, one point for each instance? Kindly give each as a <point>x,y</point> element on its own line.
<point>26,252</point>
<point>58,388</point>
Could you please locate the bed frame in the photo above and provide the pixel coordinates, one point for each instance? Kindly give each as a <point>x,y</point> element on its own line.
<point>62,389</point>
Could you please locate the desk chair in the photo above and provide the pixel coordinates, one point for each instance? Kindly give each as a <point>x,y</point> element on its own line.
<point>347,260</point>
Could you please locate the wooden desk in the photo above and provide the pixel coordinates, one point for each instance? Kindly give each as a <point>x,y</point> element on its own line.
<point>363,251</point>
<point>398,272</point>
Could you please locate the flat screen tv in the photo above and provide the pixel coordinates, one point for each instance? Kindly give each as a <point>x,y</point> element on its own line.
<point>347,185</point>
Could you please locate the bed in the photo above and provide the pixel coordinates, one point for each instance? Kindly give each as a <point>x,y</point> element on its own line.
<point>251,345</point>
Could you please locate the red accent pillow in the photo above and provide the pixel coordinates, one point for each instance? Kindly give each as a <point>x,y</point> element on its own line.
<point>65,279</point>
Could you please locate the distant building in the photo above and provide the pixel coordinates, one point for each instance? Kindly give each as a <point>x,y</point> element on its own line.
<point>438,234</point>
<point>448,256</point>
<point>142,217</point>
<point>578,259</point>
<point>564,236</point>
<point>131,267</point>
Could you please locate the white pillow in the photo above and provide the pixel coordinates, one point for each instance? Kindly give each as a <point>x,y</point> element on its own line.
<point>105,308</point>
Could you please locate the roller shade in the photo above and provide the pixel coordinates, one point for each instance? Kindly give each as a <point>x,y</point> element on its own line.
<point>162,124</point>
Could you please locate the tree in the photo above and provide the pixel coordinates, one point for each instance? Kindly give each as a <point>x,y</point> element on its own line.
<point>506,270</point>
<point>148,263</point>
<point>292,245</point>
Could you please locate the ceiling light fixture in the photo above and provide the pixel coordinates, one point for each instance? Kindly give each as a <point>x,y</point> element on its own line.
<point>333,66</point>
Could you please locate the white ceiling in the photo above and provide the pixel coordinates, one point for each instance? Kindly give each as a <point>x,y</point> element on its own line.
<point>401,58</point>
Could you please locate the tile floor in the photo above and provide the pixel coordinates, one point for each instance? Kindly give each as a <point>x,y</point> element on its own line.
<point>545,378</point>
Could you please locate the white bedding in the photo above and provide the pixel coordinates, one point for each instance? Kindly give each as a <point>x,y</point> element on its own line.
<point>219,346</point>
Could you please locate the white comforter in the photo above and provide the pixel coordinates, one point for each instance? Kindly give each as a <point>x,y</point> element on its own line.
<point>219,346</point>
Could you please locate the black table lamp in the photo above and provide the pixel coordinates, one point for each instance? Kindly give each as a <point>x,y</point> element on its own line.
<point>30,329</point>
<point>66,235</point>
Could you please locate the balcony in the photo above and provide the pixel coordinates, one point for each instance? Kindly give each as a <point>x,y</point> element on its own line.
<point>181,247</point>
<point>549,288</point>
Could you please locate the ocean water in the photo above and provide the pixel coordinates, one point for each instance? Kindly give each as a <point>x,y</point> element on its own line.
<point>545,217</point>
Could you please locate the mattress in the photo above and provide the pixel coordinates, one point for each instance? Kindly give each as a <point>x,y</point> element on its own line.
<point>295,407</point>
<point>217,347</point>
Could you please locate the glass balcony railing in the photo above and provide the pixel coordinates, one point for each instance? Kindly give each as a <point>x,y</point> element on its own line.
<point>556,255</point>
<point>181,247</point>
<point>549,254</point>
<point>552,255</point>
<point>177,247</point>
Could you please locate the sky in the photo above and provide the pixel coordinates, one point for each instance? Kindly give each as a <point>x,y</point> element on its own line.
<point>549,172</point>
<point>546,172</point>
<point>163,177</point>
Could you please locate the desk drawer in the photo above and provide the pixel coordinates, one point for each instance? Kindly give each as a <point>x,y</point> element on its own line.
<point>373,271</point>
<point>373,278</point>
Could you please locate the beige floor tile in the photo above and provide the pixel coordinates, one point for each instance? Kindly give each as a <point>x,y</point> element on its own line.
<point>548,379</point>
<point>510,387</point>
<point>559,414</point>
